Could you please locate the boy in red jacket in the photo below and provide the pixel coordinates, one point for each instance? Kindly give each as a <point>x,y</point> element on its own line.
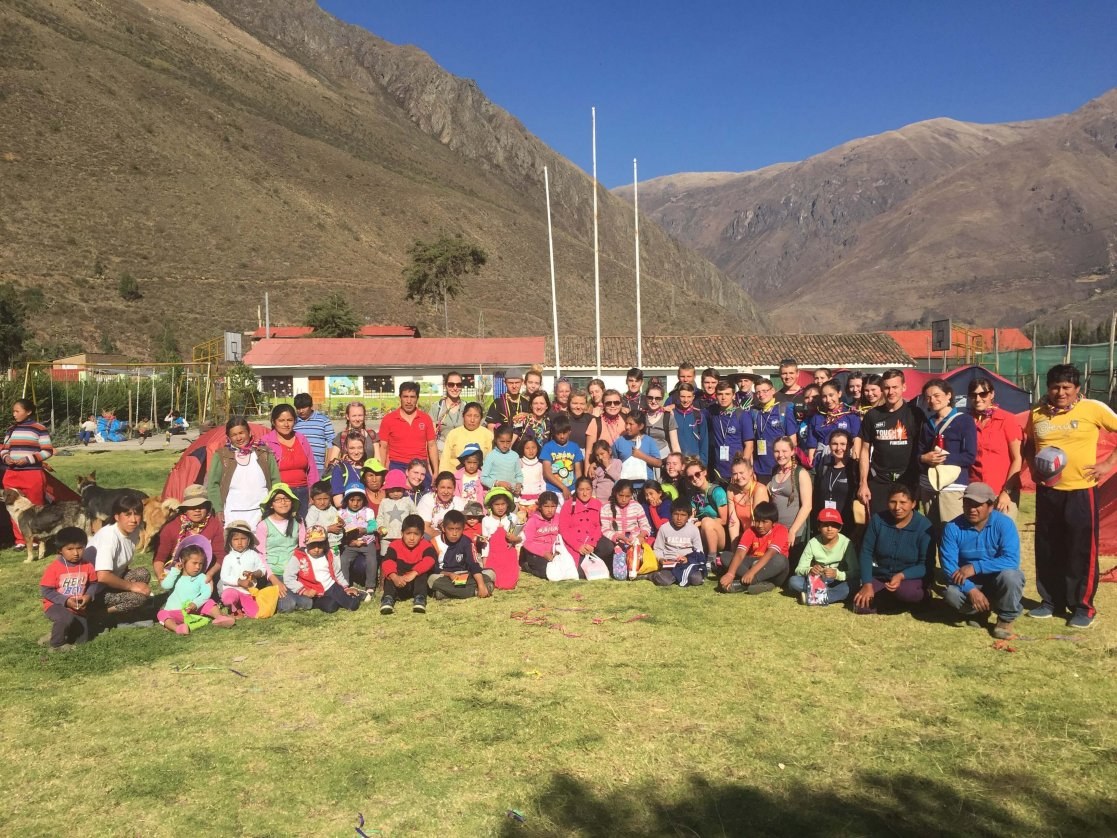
<point>407,566</point>
<point>67,588</point>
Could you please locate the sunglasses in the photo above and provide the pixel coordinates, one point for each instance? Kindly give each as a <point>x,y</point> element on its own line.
<point>453,384</point>
<point>612,404</point>
<point>981,394</point>
<point>695,476</point>
<point>655,398</point>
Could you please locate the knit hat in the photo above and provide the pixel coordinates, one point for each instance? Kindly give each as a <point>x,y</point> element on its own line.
<point>193,495</point>
<point>395,480</point>
<point>373,464</point>
<point>473,510</point>
<point>280,489</point>
<point>471,450</point>
<point>499,492</point>
<point>830,516</point>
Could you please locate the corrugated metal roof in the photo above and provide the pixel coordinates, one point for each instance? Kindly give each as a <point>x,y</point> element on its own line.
<point>350,353</point>
<point>723,351</point>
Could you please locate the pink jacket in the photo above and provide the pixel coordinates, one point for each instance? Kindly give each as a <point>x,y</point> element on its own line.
<point>539,535</point>
<point>580,523</point>
<point>271,439</point>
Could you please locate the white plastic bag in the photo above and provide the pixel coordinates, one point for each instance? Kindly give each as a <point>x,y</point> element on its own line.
<point>561,567</point>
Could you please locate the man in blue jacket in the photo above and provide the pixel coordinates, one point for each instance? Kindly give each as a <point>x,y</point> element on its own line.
<point>980,555</point>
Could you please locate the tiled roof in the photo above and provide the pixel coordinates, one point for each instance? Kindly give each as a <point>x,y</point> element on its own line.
<point>725,351</point>
<point>392,353</point>
<point>373,331</point>
<point>917,342</point>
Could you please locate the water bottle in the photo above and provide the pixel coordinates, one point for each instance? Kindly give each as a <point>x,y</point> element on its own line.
<point>634,560</point>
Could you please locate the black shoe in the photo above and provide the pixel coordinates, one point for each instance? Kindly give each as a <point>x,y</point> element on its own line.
<point>760,588</point>
<point>439,595</point>
<point>419,606</point>
<point>387,605</point>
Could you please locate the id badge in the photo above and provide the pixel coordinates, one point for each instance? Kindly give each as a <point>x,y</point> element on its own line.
<point>723,453</point>
<point>761,447</point>
<point>829,504</point>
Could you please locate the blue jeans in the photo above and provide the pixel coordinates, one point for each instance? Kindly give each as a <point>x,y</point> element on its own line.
<point>835,591</point>
<point>1004,590</point>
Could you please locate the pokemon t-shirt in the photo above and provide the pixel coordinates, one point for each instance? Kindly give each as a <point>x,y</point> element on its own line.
<point>562,459</point>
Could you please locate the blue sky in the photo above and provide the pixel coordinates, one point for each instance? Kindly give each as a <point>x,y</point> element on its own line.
<point>718,86</point>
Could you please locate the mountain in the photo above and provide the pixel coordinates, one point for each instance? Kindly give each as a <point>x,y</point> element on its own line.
<point>991,224</point>
<point>212,151</point>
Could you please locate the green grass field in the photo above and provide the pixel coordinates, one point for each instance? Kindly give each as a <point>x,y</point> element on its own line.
<point>710,716</point>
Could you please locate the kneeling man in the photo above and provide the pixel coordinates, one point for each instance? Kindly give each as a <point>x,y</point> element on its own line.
<point>980,555</point>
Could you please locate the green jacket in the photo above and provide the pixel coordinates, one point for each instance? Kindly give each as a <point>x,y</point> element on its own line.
<point>222,466</point>
<point>842,556</point>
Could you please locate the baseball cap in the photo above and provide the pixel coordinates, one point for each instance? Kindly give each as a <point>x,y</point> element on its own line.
<point>979,493</point>
<point>830,516</point>
<point>514,373</point>
<point>1049,465</point>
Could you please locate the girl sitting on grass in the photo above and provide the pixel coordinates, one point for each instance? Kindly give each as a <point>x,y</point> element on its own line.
<point>242,569</point>
<point>540,534</point>
<point>190,591</point>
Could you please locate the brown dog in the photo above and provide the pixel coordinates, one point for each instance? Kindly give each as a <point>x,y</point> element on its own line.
<point>156,513</point>
<point>38,523</point>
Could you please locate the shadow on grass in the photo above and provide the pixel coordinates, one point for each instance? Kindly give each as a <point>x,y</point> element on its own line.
<point>884,804</point>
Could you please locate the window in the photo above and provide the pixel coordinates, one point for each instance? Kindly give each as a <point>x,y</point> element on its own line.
<point>379,384</point>
<point>279,386</point>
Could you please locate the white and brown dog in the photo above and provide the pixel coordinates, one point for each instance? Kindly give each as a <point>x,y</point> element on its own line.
<point>38,523</point>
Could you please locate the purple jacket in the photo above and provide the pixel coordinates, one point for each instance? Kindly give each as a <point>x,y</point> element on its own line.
<point>271,439</point>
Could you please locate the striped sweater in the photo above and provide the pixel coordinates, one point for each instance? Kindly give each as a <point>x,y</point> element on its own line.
<point>28,445</point>
<point>626,519</point>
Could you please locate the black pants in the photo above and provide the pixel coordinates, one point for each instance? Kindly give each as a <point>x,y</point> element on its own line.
<point>445,586</point>
<point>1067,549</point>
<point>417,587</point>
<point>880,483</point>
<point>336,597</point>
<point>67,627</point>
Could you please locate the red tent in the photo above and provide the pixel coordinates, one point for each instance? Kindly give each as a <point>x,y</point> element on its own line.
<point>194,462</point>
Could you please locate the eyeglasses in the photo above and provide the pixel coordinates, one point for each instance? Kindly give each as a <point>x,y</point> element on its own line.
<point>655,398</point>
<point>453,384</point>
<point>981,394</point>
<point>695,476</point>
<point>612,404</point>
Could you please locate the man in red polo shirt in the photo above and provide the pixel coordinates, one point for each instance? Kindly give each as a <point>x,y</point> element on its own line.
<point>407,434</point>
<point>999,446</point>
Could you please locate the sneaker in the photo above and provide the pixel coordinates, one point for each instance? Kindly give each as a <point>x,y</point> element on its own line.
<point>735,587</point>
<point>19,545</point>
<point>1042,612</point>
<point>440,595</point>
<point>224,621</point>
<point>1003,630</point>
<point>419,606</point>
<point>387,605</point>
<point>760,587</point>
<point>1080,621</point>
<point>694,577</point>
<point>664,578</point>
<point>976,624</point>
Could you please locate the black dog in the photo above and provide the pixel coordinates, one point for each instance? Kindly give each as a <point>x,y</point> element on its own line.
<point>98,502</point>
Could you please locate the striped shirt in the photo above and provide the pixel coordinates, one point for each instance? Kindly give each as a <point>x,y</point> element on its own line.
<point>28,445</point>
<point>319,432</point>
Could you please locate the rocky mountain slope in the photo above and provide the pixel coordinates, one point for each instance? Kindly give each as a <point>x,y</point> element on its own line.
<point>997,224</point>
<point>213,151</point>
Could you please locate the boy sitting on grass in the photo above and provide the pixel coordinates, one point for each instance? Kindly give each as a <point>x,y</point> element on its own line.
<point>827,561</point>
<point>760,560</point>
<point>67,589</point>
<point>678,547</point>
<point>458,575</point>
<point>406,568</point>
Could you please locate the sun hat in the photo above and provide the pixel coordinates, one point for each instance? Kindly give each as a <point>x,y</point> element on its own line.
<point>280,489</point>
<point>1049,465</point>
<point>193,495</point>
<point>199,541</point>
<point>373,464</point>
<point>830,516</point>
<point>471,450</point>
<point>979,493</point>
<point>316,535</point>
<point>239,525</point>
<point>395,480</point>
<point>498,492</point>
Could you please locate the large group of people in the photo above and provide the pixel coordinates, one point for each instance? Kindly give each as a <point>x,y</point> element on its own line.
<point>840,491</point>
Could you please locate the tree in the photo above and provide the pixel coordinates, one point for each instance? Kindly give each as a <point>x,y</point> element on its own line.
<point>437,268</point>
<point>128,287</point>
<point>241,383</point>
<point>166,345</point>
<point>333,317</point>
<point>107,345</point>
<point>13,329</point>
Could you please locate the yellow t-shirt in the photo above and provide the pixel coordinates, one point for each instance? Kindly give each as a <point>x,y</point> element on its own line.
<point>1076,432</point>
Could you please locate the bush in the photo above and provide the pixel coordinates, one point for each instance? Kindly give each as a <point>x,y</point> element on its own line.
<point>129,288</point>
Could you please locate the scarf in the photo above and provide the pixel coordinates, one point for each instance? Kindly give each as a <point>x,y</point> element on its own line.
<point>983,414</point>
<point>186,527</point>
<point>831,418</point>
<point>243,450</point>
<point>768,405</point>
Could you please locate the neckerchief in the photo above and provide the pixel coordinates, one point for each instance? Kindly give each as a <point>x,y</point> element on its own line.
<point>1050,409</point>
<point>186,527</point>
<point>983,414</point>
<point>831,418</point>
<point>243,450</point>
<point>768,405</point>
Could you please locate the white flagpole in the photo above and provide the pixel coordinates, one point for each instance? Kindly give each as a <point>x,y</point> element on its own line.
<point>636,223</point>
<point>554,293</point>
<point>596,260</point>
